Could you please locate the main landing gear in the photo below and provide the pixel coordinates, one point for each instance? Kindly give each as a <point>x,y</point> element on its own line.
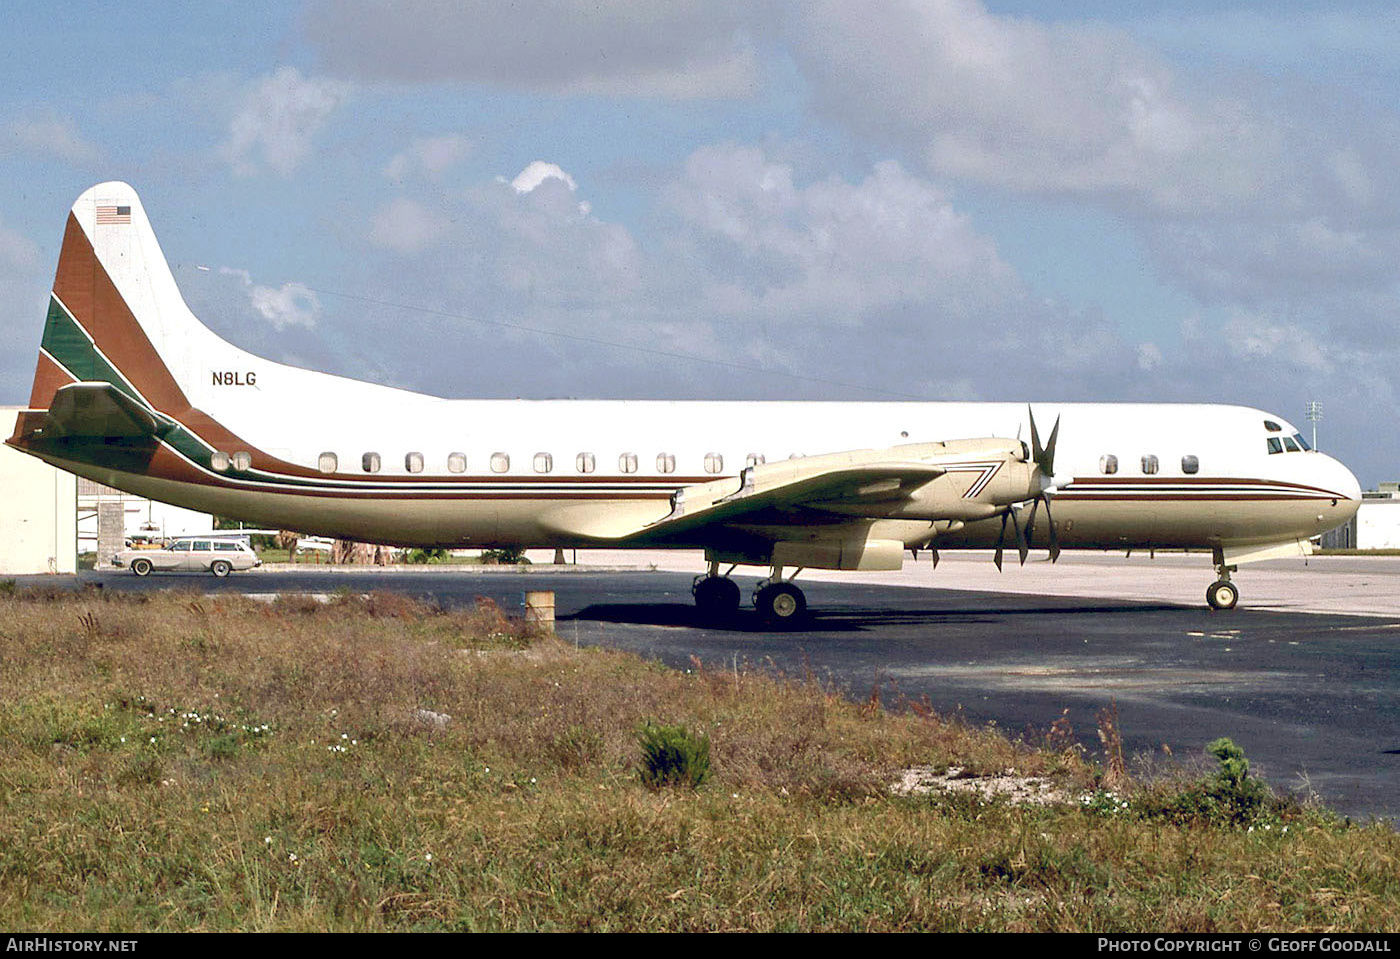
<point>778,601</point>
<point>1222,594</point>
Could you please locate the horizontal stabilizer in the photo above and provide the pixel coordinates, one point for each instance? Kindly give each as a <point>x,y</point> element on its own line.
<point>100,410</point>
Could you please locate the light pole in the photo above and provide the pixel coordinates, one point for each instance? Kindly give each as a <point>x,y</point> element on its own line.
<point>1314,413</point>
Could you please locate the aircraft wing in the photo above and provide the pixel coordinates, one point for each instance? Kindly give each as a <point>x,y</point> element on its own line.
<point>100,410</point>
<point>845,486</point>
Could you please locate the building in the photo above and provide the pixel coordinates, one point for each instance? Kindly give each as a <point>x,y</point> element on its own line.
<point>38,512</point>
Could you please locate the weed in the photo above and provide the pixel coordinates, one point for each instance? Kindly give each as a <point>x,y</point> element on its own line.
<point>672,756</point>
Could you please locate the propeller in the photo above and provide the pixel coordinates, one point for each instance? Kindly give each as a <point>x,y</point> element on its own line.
<point>1044,459</point>
<point>1022,537</point>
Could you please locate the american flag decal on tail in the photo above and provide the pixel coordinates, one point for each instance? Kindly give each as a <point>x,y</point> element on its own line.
<point>109,214</point>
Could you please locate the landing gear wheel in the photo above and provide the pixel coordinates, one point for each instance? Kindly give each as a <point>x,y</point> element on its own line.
<point>141,567</point>
<point>716,597</point>
<point>1222,595</point>
<point>780,604</point>
<point>221,568</point>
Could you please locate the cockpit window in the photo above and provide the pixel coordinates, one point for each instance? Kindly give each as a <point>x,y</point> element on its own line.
<point>1274,445</point>
<point>1289,445</point>
<point>1298,438</point>
<point>1272,427</point>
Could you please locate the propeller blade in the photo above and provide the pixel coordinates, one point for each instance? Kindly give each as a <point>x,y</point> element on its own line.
<point>1035,434</point>
<point>1022,547</point>
<point>935,558</point>
<point>1054,538</point>
<point>1048,465</point>
<point>1044,455</point>
<point>1001,543</point>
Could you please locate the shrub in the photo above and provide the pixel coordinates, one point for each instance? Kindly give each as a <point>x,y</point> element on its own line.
<point>672,756</point>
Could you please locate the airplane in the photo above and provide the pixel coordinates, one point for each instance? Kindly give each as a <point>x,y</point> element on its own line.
<point>133,391</point>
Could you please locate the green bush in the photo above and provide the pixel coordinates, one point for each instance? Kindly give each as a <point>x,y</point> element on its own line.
<point>672,756</point>
<point>1229,797</point>
<point>424,557</point>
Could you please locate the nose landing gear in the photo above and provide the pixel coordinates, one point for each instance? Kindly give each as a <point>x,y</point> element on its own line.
<point>1222,594</point>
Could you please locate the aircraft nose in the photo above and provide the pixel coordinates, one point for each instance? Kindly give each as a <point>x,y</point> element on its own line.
<point>1345,482</point>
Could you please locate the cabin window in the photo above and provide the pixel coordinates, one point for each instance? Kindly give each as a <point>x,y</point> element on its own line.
<point>226,547</point>
<point>456,462</point>
<point>665,462</point>
<point>219,461</point>
<point>500,462</point>
<point>544,463</point>
<point>754,459</point>
<point>413,462</point>
<point>1108,463</point>
<point>714,463</point>
<point>202,546</point>
<point>327,463</point>
<point>1275,445</point>
<point>242,460</point>
<point>1149,464</point>
<point>1190,464</point>
<point>585,463</point>
<point>627,462</point>
<point>1298,438</point>
<point>1289,445</point>
<point>370,462</point>
<point>1272,427</point>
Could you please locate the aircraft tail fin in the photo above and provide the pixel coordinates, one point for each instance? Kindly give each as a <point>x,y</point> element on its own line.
<point>116,315</point>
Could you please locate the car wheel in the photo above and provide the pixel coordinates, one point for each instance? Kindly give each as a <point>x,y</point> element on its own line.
<point>141,567</point>
<point>221,568</point>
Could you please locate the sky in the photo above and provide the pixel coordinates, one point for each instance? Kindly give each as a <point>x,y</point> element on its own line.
<point>745,199</point>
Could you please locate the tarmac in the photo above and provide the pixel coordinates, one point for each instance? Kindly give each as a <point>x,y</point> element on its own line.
<point>1349,585</point>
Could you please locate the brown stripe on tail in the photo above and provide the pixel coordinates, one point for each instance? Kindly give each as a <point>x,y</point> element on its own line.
<point>48,377</point>
<point>93,300</point>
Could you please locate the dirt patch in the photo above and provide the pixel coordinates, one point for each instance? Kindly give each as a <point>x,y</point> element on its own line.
<point>1006,786</point>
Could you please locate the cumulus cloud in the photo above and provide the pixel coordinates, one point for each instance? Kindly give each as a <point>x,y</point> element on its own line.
<point>663,48</point>
<point>429,156</point>
<point>52,137</point>
<point>832,250</point>
<point>278,119</point>
<point>290,304</point>
<point>1209,174</point>
<point>407,226</point>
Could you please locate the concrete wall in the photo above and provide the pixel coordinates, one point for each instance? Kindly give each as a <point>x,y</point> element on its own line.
<point>38,511</point>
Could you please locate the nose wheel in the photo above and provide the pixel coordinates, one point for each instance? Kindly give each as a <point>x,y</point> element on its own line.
<point>1222,594</point>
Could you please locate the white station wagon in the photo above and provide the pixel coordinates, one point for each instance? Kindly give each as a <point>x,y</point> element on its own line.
<point>217,556</point>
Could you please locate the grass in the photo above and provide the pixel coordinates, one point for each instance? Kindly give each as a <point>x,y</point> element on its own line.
<point>172,761</point>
